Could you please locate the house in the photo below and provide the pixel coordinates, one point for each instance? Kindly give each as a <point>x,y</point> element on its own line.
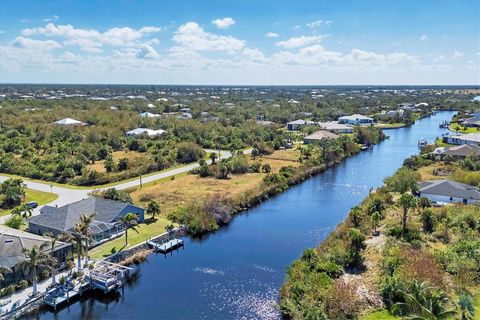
<point>151,106</point>
<point>391,114</point>
<point>473,121</point>
<point>185,115</point>
<point>145,132</point>
<point>457,152</point>
<point>13,242</point>
<point>148,115</point>
<point>335,127</point>
<point>70,122</point>
<point>356,120</point>
<point>297,124</point>
<point>186,110</point>
<point>469,138</point>
<point>319,135</point>
<point>447,191</point>
<point>104,227</point>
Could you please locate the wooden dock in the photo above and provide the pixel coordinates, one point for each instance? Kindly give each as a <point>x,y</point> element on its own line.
<point>167,246</point>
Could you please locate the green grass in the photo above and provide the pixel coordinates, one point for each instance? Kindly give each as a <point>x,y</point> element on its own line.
<point>459,128</point>
<point>145,231</point>
<point>440,143</point>
<point>390,125</point>
<point>34,195</point>
<point>378,315</point>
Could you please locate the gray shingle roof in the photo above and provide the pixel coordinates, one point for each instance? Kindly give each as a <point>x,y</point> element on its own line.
<point>13,242</point>
<point>449,188</point>
<point>66,217</point>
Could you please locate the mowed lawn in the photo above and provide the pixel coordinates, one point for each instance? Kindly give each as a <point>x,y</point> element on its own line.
<point>34,195</point>
<point>459,128</point>
<point>145,231</point>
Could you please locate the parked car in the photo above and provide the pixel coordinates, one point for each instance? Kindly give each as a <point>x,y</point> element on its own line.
<point>32,204</point>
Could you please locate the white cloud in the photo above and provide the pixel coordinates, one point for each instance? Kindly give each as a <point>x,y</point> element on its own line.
<point>53,18</point>
<point>315,24</point>
<point>297,27</point>
<point>272,35</point>
<point>224,23</point>
<point>192,37</point>
<point>146,51</point>
<point>456,55</point>
<point>254,55</point>
<point>91,38</point>
<point>301,41</point>
<point>41,45</point>
<point>424,37</point>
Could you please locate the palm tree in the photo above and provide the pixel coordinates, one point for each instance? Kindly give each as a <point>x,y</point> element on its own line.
<point>3,271</point>
<point>356,215</point>
<point>423,303</point>
<point>465,301</point>
<point>130,220</point>
<point>375,219</point>
<point>24,211</point>
<point>85,222</point>
<point>53,240</point>
<point>213,156</point>
<point>406,201</point>
<point>78,237</point>
<point>37,259</point>
<point>153,208</point>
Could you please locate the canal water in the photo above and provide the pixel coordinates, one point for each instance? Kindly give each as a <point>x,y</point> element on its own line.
<point>236,272</point>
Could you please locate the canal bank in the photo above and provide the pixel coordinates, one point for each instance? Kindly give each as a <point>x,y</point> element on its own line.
<point>236,272</point>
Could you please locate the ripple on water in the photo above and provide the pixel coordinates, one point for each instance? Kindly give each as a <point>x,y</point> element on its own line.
<point>209,271</point>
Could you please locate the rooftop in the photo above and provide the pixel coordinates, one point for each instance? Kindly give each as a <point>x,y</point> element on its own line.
<point>449,188</point>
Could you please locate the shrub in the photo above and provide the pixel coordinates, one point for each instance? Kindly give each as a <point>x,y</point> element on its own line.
<point>22,284</point>
<point>189,152</point>
<point>342,301</point>
<point>16,221</point>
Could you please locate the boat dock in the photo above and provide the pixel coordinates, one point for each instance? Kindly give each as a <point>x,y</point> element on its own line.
<point>105,276</point>
<point>166,246</point>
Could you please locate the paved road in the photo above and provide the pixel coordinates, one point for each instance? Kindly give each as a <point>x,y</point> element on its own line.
<point>67,195</point>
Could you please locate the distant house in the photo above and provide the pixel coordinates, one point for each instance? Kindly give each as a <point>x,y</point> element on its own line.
<point>145,132</point>
<point>12,245</point>
<point>319,135</point>
<point>457,152</point>
<point>473,121</point>
<point>446,191</point>
<point>407,106</point>
<point>391,114</point>
<point>185,115</point>
<point>104,227</point>
<point>186,110</point>
<point>355,120</point>
<point>69,122</point>
<point>151,106</point>
<point>469,138</point>
<point>148,115</point>
<point>335,127</point>
<point>297,124</point>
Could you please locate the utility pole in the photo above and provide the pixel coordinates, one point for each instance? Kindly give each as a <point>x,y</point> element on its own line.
<point>140,181</point>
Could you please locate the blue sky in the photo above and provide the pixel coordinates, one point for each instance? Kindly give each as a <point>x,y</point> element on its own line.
<point>241,42</point>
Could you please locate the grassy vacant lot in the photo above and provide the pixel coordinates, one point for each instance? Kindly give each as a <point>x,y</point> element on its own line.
<point>132,156</point>
<point>390,125</point>
<point>145,231</point>
<point>171,194</point>
<point>34,195</point>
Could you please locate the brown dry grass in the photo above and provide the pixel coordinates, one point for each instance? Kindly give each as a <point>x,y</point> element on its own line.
<point>171,194</point>
<point>426,173</point>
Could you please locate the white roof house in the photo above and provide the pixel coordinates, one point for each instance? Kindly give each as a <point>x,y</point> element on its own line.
<point>356,120</point>
<point>151,106</point>
<point>148,115</point>
<point>144,131</point>
<point>469,138</point>
<point>336,127</point>
<point>69,122</point>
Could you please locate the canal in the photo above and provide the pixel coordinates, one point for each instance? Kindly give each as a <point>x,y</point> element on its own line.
<point>236,272</point>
